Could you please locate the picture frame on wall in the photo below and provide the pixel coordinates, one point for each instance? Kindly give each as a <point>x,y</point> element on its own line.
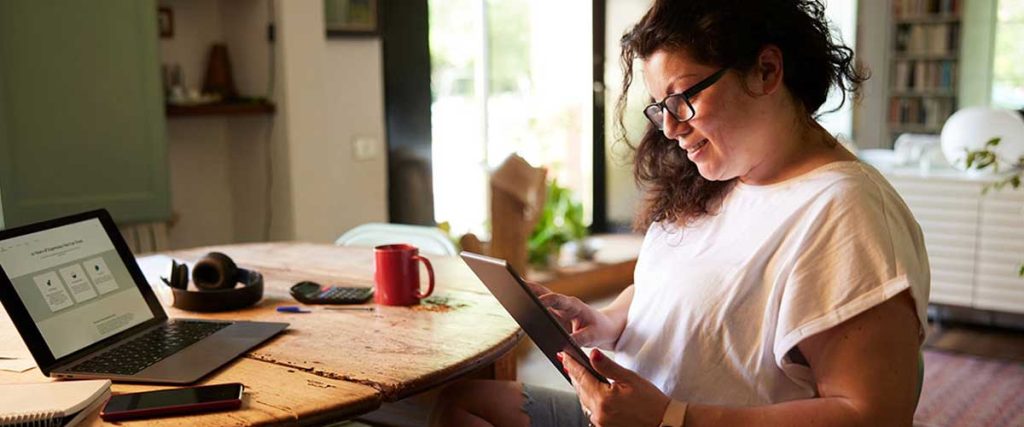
<point>351,18</point>
<point>165,22</point>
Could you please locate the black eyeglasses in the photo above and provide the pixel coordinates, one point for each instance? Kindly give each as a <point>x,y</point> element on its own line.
<point>678,104</point>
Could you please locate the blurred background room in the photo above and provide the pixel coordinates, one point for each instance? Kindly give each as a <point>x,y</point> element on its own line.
<point>491,123</point>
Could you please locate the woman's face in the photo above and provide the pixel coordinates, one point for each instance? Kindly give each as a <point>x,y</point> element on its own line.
<point>720,138</point>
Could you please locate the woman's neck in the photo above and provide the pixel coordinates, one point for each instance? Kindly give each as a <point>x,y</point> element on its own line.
<point>803,147</point>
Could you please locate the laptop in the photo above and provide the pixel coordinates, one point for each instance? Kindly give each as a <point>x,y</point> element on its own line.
<point>84,309</point>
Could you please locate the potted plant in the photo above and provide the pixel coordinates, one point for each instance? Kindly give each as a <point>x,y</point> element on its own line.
<point>561,221</point>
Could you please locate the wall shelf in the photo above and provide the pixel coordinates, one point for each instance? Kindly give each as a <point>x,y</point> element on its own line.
<point>899,128</point>
<point>922,93</point>
<point>926,56</point>
<point>928,18</point>
<point>221,109</point>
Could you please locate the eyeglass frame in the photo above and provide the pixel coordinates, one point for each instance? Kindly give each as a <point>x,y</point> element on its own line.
<point>687,94</point>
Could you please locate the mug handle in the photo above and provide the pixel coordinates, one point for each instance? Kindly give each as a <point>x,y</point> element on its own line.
<point>430,274</point>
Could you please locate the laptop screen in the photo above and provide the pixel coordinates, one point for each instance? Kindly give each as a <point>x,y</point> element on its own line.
<point>73,284</point>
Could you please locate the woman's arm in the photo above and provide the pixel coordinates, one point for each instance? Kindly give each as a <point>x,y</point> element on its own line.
<point>866,371</point>
<point>618,310</point>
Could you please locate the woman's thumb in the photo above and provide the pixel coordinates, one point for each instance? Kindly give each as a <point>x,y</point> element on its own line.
<point>607,367</point>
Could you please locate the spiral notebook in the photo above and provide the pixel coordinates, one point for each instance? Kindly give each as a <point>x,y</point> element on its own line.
<point>61,403</point>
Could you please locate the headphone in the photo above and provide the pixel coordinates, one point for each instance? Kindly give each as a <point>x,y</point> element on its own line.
<point>215,276</point>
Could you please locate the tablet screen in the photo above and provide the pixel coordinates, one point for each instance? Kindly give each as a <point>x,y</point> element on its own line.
<point>527,310</point>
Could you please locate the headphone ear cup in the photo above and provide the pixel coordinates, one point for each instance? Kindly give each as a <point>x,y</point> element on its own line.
<point>179,276</point>
<point>215,271</point>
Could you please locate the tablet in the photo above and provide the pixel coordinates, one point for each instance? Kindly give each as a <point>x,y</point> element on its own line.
<point>527,310</point>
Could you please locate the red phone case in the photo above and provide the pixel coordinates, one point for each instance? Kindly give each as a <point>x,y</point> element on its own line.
<point>190,408</point>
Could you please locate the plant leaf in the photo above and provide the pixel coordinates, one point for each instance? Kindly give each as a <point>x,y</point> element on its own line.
<point>971,155</point>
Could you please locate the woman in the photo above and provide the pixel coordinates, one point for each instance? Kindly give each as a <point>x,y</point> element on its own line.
<point>781,281</point>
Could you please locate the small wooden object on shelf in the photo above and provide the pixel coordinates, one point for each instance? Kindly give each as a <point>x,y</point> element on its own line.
<point>221,109</point>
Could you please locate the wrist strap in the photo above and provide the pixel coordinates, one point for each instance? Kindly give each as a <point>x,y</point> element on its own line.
<point>675,414</point>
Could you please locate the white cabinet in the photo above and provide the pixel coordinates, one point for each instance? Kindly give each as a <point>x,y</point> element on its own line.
<point>975,241</point>
<point>1000,252</point>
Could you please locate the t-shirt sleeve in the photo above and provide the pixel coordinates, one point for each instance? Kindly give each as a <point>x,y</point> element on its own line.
<point>861,247</point>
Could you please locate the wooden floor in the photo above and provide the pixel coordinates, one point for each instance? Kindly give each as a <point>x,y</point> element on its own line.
<point>991,342</point>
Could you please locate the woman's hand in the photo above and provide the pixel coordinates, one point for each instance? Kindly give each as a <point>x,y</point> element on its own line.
<point>589,327</point>
<point>630,400</point>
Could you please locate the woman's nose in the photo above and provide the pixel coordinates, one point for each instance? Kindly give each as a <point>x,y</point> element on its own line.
<point>673,128</point>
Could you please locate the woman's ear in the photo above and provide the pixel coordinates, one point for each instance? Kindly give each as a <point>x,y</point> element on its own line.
<point>766,76</point>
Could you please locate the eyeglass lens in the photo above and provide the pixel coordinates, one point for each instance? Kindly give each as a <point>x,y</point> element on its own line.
<point>677,107</point>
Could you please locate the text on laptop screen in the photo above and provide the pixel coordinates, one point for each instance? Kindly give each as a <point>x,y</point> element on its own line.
<point>74,285</point>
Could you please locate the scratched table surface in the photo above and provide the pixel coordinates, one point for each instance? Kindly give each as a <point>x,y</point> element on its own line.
<point>332,365</point>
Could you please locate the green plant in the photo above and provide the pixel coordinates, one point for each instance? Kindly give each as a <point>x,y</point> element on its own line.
<point>446,228</point>
<point>561,221</point>
<point>987,157</point>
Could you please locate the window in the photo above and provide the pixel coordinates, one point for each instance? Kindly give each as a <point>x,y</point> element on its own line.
<point>842,17</point>
<point>1007,74</point>
<point>508,76</point>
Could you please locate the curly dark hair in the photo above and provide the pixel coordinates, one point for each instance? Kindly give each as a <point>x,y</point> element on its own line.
<point>726,33</point>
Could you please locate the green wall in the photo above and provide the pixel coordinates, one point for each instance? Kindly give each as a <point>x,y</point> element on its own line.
<point>81,111</point>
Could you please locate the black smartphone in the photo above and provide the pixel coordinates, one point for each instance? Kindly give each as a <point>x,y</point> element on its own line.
<point>185,400</point>
<point>314,293</point>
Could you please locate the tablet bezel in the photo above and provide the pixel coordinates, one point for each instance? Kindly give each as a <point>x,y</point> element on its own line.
<point>554,327</point>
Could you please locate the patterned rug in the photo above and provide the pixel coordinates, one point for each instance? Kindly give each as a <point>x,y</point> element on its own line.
<point>964,390</point>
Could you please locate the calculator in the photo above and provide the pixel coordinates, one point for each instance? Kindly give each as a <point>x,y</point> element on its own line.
<point>314,293</point>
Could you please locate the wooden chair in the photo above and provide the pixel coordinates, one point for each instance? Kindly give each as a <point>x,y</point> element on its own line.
<point>518,192</point>
<point>146,237</point>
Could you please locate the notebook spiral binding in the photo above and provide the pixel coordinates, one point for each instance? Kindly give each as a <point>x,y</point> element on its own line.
<point>36,419</point>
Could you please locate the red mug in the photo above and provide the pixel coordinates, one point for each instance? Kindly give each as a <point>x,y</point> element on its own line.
<point>398,275</point>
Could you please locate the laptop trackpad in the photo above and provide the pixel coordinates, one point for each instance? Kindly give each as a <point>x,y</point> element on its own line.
<point>195,361</point>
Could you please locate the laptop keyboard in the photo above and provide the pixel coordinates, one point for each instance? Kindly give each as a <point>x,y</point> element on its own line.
<point>149,348</point>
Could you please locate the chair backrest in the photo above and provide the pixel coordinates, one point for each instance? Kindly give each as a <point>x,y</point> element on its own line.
<point>143,238</point>
<point>518,192</point>
<point>430,240</point>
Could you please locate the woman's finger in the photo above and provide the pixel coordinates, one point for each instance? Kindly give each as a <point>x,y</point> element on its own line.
<point>584,337</point>
<point>567,304</point>
<point>563,318</point>
<point>537,289</point>
<point>611,370</point>
<point>584,383</point>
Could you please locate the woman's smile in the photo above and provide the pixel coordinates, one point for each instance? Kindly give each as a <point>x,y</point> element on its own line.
<point>693,151</point>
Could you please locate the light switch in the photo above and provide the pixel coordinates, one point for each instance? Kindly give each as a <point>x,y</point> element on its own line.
<point>364,148</point>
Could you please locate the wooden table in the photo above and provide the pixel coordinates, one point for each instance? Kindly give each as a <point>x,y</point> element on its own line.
<point>336,365</point>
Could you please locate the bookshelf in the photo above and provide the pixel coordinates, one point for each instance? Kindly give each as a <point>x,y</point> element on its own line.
<point>924,65</point>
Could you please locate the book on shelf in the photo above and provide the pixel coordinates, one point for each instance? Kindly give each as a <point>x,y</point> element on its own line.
<point>58,403</point>
<point>924,76</point>
<point>923,64</point>
<point>927,39</point>
<point>930,113</point>
<point>912,8</point>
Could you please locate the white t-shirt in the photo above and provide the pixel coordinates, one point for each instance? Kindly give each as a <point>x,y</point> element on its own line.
<point>719,304</point>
